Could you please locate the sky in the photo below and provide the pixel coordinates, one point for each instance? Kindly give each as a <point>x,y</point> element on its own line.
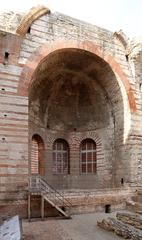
<point>110,14</point>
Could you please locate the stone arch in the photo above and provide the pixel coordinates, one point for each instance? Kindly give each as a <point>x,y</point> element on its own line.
<point>122,38</point>
<point>76,139</point>
<point>93,135</point>
<point>42,52</point>
<point>28,19</point>
<point>37,155</point>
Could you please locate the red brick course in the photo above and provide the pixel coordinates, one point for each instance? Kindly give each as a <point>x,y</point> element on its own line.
<point>41,53</point>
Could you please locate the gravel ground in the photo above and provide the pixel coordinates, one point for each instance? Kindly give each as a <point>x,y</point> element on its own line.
<point>80,227</point>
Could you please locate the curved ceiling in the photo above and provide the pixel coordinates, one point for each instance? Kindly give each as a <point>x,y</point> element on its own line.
<point>70,87</point>
<point>72,65</point>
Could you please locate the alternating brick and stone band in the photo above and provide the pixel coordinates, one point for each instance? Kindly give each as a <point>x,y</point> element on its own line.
<point>70,98</point>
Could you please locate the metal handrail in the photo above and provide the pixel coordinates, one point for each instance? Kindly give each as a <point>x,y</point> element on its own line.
<point>58,193</point>
<point>42,185</point>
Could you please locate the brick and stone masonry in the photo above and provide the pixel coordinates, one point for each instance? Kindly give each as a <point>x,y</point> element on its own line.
<point>61,78</point>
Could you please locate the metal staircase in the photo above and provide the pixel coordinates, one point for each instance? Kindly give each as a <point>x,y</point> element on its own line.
<point>39,186</point>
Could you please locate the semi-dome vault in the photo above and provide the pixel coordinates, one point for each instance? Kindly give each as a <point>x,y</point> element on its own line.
<point>70,109</point>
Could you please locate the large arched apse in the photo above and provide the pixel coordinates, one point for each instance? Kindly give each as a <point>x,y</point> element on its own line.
<point>75,92</point>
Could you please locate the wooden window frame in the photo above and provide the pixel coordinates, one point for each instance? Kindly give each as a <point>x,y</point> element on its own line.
<point>61,167</point>
<point>86,162</point>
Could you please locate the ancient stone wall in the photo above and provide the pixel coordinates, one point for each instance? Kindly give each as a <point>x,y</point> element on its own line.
<point>20,57</point>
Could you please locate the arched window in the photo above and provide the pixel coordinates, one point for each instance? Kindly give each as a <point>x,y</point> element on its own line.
<point>37,155</point>
<point>60,157</point>
<point>88,156</point>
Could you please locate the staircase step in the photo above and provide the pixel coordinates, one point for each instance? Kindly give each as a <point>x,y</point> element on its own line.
<point>58,208</point>
<point>39,186</point>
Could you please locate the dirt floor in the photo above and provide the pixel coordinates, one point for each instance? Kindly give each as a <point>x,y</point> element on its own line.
<point>80,227</point>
